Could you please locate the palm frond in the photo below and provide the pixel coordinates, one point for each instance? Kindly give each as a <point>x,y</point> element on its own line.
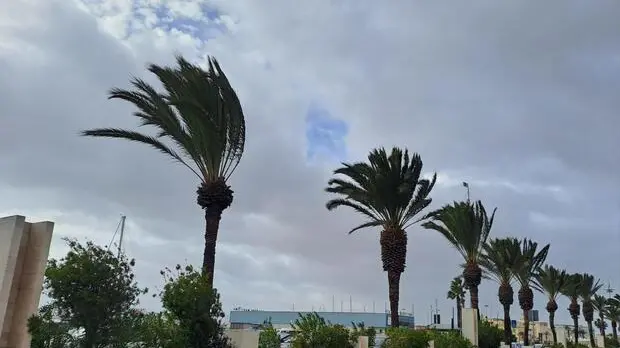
<point>199,113</point>
<point>552,281</point>
<point>531,261</point>
<point>466,226</point>
<point>140,138</point>
<point>387,188</point>
<point>500,259</point>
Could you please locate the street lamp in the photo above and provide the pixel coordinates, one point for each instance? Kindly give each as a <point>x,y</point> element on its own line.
<point>466,185</point>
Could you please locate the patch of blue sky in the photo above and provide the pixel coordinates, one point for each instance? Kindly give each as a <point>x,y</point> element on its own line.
<point>325,135</point>
<point>205,28</point>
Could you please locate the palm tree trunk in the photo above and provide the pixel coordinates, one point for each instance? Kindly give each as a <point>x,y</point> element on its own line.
<point>591,334</point>
<point>507,325</point>
<point>394,289</point>
<point>526,328</point>
<point>614,330</point>
<point>576,329</point>
<point>552,326</point>
<point>473,297</point>
<point>212,218</point>
<point>459,313</point>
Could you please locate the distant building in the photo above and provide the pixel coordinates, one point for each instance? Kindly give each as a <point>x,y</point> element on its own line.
<point>245,319</point>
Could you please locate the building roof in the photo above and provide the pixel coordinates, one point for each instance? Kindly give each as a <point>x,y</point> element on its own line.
<point>256,317</point>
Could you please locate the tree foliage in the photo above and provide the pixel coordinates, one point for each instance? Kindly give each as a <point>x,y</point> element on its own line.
<point>313,331</point>
<point>189,300</point>
<point>92,294</point>
<point>268,337</point>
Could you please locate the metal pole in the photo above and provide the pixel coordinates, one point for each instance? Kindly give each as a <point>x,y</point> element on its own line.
<point>120,241</point>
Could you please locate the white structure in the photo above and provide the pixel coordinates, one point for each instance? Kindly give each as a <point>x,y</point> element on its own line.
<point>24,248</point>
<point>470,325</point>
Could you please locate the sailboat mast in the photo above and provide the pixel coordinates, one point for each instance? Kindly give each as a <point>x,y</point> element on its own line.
<point>120,241</point>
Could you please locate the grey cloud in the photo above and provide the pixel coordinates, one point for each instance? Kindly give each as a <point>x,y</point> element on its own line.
<point>522,98</point>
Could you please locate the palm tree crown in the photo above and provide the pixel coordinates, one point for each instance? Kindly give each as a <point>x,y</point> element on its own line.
<point>200,115</point>
<point>466,226</point>
<point>389,192</point>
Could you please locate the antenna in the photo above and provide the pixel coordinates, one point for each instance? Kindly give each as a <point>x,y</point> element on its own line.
<point>350,304</point>
<point>120,240</point>
<point>609,289</point>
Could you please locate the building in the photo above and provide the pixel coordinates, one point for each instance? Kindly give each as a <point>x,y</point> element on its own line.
<point>24,249</point>
<point>244,319</point>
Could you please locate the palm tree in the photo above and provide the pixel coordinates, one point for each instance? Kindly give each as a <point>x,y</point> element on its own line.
<point>390,193</point>
<point>199,123</point>
<point>499,261</point>
<point>589,287</point>
<point>466,226</point>
<point>531,261</point>
<point>552,282</point>
<point>612,313</point>
<point>571,290</point>
<point>457,293</point>
<point>599,303</point>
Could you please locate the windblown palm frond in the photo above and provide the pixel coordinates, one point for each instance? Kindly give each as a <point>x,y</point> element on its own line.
<point>589,287</point>
<point>199,120</point>
<point>500,259</point>
<point>388,190</point>
<point>552,281</point>
<point>466,226</point>
<point>531,262</point>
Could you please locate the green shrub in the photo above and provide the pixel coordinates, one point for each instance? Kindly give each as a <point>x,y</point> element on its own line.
<point>268,337</point>
<point>313,331</point>
<point>449,339</point>
<point>406,338</point>
<point>489,335</point>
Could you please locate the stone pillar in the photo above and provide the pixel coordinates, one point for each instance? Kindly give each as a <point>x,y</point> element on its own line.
<point>24,249</point>
<point>470,325</point>
<point>362,342</point>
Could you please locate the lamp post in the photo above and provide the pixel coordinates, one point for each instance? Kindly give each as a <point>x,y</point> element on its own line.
<point>466,185</point>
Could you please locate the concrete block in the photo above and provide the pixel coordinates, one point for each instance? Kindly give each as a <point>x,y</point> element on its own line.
<point>470,325</point>
<point>24,249</point>
<point>243,338</point>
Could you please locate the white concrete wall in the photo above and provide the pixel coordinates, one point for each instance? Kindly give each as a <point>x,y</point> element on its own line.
<point>24,249</point>
<point>470,325</point>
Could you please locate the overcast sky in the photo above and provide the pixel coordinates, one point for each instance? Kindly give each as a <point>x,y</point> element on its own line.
<point>520,99</point>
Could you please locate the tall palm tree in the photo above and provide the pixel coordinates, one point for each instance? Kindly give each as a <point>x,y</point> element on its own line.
<point>571,290</point>
<point>457,293</point>
<point>612,313</point>
<point>552,282</point>
<point>500,260</point>
<point>390,193</point>
<point>599,303</point>
<point>531,261</point>
<point>466,226</point>
<point>198,122</point>
<point>589,287</point>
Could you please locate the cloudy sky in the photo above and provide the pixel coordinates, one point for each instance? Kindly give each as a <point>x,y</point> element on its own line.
<point>518,98</point>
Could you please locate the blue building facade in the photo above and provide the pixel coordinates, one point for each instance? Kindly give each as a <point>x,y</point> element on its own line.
<point>251,318</point>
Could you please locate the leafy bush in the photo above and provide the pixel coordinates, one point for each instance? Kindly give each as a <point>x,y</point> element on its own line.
<point>313,331</point>
<point>489,335</point>
<point>268,337</point>
<point>189,300</point>
<point>406,338</point>
<point>450,339</point>
<point>611,343</point>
